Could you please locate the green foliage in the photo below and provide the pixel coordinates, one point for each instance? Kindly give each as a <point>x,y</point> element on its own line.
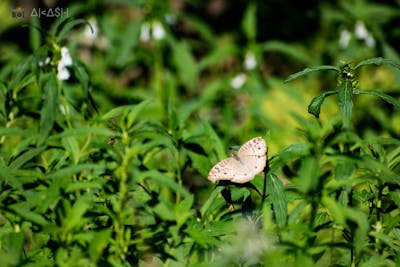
<point>109,166</point>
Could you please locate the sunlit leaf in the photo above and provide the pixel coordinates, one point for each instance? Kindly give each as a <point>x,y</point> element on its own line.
<point>385,97</point>
<point>378,61</point>
<point>310,70</point>
<point>345,100</point>
<point>249,22</point>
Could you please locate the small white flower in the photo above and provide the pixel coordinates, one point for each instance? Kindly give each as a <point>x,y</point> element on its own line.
<point>250,61</point>
<point>62,72</point>
<point>45,62</point>
<point>158,31</point>
<point>238,81</point>
<point>66,60</point>
<point>344,38</point>
<point>360,30</point>
<point>170,19</point>
<point>63,109</point>
<point>370,41</point>
<point>145,32</point>
<point>91,32</point>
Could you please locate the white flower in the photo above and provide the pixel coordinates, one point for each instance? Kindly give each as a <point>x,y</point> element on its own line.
<point>158,31</point>
<point>344,38</point>
<point>170,19</point>
<point>145,32</point>
<point>362,33</point>
<point>91,32</point>
<point>250,61</point>
<point>360,30</point>
<point>63,109</point>
<point>152,30</point>
<point>370,41</point>
<point>66,60</point>
<point>45,62</point>
<point>62,72</point>
<point>238,80</point>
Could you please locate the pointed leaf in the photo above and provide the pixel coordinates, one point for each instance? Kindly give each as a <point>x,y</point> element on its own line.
<point>378,61</point>
<point>276,191</point>
<point>310,70</point>
<point>386,97</point>
<point>315,105</point>
<point>249,23</point>
<point>345,100</point>
<point>49,109</point>
<point>289,50</point>
<point>25,157</point>
<point>185,64</point>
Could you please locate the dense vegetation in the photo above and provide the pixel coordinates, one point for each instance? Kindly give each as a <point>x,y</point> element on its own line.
<point>113,113</point>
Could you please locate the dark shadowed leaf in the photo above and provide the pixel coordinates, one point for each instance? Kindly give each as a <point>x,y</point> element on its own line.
<point>277,194</point>
<point>315,105</point>
<point>49,109</point>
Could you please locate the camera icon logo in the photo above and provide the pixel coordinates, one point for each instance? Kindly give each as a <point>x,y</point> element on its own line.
<point>18,13</point>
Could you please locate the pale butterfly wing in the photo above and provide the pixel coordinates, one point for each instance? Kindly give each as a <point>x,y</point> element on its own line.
<point>253,154</point>
<point>249,161</point>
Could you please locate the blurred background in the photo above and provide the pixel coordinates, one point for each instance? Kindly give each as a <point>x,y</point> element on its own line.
<point>218,60</point>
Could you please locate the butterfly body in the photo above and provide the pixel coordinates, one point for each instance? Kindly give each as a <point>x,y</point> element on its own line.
<point>242,167</point>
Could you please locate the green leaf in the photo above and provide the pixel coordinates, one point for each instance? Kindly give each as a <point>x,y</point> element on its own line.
<point>12,248</point>
<point>72,148</point>
<point>183,210</point>
<point>185,64</point>
<point>34,34</point>
<point>82,186</point>
<point>163,181</point>
<point>310,70</point>
<point>342,214</point>
<point>21,75</point>
<point>23,211</point>
<point>249,23</point>
<point>378,61</point>
<point>200,162</point>
<point>99,243</point>
<point>210,200</point>
<point>386,97</point>
<point>345,100</point>
<point>309,175</point>
<point>131,111</point>
<point>173,118</point>
<point>128,42</point>
<point>213,140</point>
<point>315,105</point>
<point>75,214</point>
<point>289,154</point>
<point>83,76</point>
<point>67,27</point>
<point>49,109</point>
<point>277,194</point>
<point>289,50</point>
<point>82,131</point>
<point>7,177</point>
<point>164,210</point>
<point>25,157</point>
<point>74,169</point>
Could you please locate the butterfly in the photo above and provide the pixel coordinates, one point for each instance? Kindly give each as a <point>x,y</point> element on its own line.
<point>249,161</point>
